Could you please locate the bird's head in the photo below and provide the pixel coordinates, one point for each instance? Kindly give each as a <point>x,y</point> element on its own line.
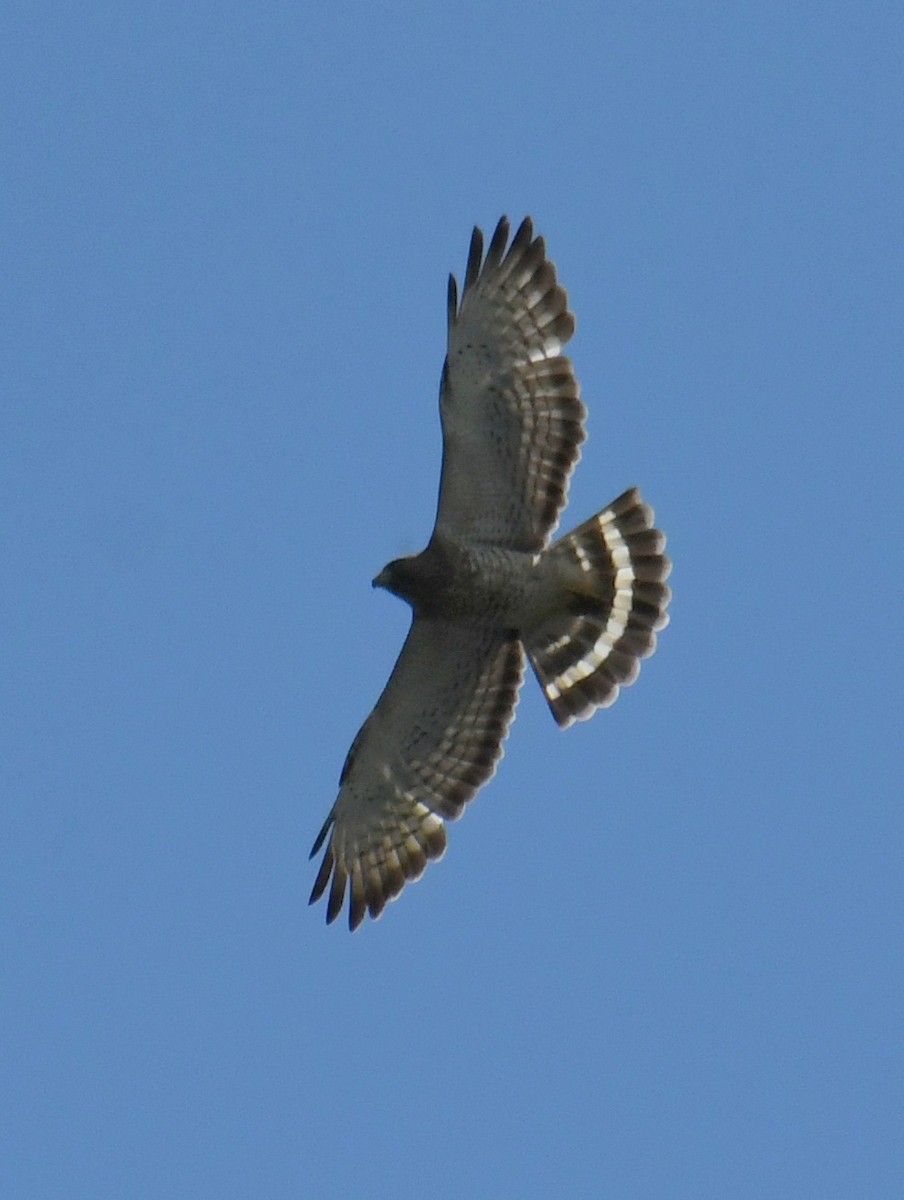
<point>396,576</point>
<point>413,579</point>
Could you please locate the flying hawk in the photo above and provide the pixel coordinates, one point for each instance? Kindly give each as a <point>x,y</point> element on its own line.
<point>489,588</point>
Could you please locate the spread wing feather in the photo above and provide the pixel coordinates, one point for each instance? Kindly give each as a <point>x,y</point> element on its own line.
<point>433,739</point>
<point>513,421</point>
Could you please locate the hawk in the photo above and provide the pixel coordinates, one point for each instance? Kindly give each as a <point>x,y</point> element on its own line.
<point>489,590</point>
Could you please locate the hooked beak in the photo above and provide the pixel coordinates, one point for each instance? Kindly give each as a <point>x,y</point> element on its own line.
<point>381,580</point>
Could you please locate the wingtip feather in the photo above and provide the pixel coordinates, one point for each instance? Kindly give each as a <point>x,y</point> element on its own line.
<point>452,299</point>
<point>475,258</point>
<point>337,893</point>
<point>323,876</point>
<point>321,836</point>
<point>497,244</point>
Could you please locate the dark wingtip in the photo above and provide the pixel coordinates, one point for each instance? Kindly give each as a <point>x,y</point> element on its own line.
<point>475,257</point>
<point>452,299</point>
<point>323,877</point>
<point>357,904</point>
<point>321,836</point>
<point>497,244</point>
<point>523,235</point>
<point>337,893</point>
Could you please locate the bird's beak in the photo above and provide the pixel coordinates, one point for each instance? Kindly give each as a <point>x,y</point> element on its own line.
<point>380,580</point>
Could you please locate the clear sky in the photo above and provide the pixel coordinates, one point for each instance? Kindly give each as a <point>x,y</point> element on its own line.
<point>662,956</point>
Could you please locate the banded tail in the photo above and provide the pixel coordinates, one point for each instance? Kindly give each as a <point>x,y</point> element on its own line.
<point>613,610</point>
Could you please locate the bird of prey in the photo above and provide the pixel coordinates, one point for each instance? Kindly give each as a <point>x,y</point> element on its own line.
<point>489,589</point>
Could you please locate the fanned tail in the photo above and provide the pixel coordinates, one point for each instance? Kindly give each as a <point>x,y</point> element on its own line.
<point>615,607</point>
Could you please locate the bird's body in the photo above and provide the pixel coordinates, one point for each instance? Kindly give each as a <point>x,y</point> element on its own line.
<point>452,578</point>
<point>489,590</point>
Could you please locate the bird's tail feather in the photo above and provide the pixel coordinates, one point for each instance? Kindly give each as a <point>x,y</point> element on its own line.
<point>614,606</point>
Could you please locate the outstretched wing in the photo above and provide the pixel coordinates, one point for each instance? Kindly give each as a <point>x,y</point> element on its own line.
<point>509,401</point>
<point>433,739</point>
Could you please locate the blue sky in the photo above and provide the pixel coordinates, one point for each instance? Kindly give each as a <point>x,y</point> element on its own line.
<point>662,955</point>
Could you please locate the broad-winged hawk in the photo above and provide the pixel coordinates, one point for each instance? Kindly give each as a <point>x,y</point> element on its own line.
<point>489,588</point>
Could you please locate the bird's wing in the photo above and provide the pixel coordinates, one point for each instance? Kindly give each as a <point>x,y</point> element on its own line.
<point>432,740</point>
<point>512,418</point>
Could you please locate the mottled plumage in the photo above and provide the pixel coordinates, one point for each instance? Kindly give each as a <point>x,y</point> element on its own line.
<point>489,587</point>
